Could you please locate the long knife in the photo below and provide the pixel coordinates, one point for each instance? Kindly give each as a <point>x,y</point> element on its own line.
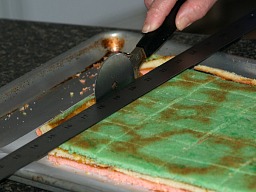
<point>39,147</point>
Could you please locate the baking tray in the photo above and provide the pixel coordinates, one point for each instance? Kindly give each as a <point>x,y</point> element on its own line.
<point>38,82</point>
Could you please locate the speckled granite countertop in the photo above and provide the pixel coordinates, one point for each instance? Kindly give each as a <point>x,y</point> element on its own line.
<point>26,45</point>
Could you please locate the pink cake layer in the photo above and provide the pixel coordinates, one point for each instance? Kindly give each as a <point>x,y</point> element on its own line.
<point>115,176</point>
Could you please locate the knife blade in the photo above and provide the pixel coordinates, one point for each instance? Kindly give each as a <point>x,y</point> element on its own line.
<point>120,69</point>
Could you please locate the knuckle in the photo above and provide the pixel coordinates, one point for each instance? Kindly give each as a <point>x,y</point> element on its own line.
<point>156,11</point>
<point>199,9</point>
<point>161,8</point>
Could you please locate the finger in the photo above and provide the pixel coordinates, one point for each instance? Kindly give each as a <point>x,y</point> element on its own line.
<point>191,11</point>
<point>148,3</point>
<point>156,14</point>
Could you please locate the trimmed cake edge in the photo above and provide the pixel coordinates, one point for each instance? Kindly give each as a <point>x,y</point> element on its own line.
<point>119,176</point>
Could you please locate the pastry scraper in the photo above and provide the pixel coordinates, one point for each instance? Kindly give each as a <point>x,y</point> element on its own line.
<point>120,69</point>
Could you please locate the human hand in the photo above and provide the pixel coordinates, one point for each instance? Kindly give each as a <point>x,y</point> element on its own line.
<point>189,12</point>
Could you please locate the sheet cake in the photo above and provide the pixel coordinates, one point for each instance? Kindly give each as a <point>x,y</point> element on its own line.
<point>196,132</point>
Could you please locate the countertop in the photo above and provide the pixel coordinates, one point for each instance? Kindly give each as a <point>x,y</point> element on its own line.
<point>26,45</point>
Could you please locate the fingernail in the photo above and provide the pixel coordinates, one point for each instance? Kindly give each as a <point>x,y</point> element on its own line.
<point>182,23</point>
<point>146,28</point>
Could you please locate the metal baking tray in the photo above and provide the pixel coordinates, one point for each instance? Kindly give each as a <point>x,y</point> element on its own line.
<point>40,81</point>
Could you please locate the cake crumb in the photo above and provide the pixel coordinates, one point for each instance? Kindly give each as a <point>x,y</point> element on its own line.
<point>82,81</point>
<point>24,107</point>
<point>77,75</point>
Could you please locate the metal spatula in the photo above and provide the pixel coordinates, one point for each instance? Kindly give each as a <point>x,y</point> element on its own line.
<point>121,69</point>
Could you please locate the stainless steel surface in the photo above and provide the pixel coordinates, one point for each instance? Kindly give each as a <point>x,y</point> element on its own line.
<point>35,83</point>
<point>55,101</point>
<point>90,51</point>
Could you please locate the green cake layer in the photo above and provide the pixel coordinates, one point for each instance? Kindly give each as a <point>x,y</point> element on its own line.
<point>196,129</point>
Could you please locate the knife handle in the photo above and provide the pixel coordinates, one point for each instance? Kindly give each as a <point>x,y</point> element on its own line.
<point>152,41</point>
